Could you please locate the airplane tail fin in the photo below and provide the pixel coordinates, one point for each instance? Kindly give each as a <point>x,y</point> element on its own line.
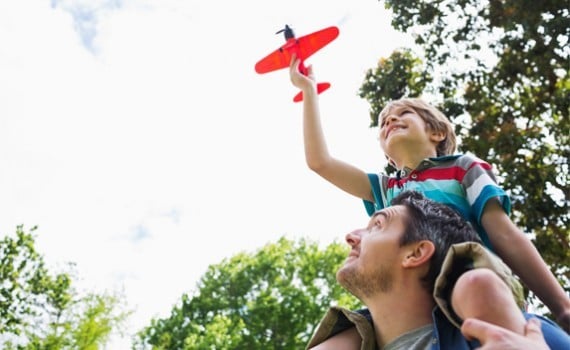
<point>320,88</point>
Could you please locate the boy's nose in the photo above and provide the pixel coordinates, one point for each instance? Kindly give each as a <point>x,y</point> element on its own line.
<point>390,118</point>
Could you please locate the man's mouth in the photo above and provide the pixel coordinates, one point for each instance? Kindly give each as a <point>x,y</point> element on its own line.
<point>353,254</point>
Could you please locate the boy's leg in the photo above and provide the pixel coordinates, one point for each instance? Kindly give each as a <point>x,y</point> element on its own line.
<point>481,294</point>
<point>348,339</point>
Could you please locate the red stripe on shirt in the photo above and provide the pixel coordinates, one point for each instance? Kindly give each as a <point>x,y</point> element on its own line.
<point>447,173</point>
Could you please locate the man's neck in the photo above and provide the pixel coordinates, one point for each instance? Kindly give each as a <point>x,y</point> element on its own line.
<point>396,313</point>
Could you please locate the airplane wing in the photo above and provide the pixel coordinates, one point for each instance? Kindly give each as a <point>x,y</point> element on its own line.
<point>278,59</point>
<point>309,44</point>
<point>305,46</point>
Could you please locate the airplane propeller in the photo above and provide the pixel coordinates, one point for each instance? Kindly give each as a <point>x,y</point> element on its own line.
<point>288,32</point>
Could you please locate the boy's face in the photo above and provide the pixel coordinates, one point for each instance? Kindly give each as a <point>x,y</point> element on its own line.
<point>402,129</point>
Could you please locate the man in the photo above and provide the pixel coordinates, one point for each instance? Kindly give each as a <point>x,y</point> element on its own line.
<point>392,268</point>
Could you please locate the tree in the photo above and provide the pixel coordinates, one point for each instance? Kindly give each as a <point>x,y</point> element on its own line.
<point>502,75</point>
<point>399,75</point>
<point>270,299</point>
<point>41,310</point>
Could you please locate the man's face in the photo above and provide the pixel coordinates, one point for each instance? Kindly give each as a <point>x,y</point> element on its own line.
<point>375,254</point>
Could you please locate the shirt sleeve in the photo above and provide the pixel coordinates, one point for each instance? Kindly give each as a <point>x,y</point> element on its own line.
<point>480,186</point>
<point>378,204</point>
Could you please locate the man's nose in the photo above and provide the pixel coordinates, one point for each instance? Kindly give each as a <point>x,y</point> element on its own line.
<point>353,238</point>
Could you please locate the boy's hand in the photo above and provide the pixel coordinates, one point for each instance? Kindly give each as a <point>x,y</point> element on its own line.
<point>564,321</point>
<point>299,80</point>
<point>494,337</point>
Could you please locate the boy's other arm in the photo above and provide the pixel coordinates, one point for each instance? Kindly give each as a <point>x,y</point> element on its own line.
<point>524,259</point>
<point>341,174</point>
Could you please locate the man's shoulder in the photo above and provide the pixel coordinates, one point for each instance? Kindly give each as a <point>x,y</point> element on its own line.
<point>338,319</point>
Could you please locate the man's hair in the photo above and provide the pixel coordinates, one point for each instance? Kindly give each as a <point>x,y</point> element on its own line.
<point>435,222</point>
<point>434,118</point>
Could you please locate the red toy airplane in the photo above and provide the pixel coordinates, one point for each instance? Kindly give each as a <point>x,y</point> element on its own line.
<point>303,47</point>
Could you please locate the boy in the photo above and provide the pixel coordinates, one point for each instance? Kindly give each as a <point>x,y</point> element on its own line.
<point>419,141</point>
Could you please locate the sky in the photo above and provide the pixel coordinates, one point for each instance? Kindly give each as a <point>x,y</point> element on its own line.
<point>137,136</point>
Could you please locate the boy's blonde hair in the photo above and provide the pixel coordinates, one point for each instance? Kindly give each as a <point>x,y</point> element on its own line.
<point>434,119</point>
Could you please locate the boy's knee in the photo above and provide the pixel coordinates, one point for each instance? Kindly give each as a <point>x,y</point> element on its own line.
<point>482,294</point>
<point>478,288</point>
<point>481,281</point>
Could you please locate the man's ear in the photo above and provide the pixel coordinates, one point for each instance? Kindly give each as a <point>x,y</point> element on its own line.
<point>419,254</point>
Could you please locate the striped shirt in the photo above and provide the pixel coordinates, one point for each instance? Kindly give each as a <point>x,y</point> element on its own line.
<point>463,182</point>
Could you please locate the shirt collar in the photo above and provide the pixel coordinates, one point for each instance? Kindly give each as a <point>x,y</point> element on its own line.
<point>426,164</point>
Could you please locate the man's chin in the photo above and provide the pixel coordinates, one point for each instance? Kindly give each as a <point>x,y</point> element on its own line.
<point>344,274</point>
<point>347,278</point>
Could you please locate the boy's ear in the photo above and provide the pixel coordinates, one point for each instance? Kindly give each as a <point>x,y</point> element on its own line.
<point>419,253</point>
<point>437,136</point>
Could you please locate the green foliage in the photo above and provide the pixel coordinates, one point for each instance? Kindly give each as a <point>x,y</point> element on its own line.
<point>40,310</point>
<point>503,78</point>
<point>271,299</point>
<point>399,75</point>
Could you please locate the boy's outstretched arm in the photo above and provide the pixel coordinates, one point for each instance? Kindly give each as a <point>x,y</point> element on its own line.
<point>343,175</point>
<point>524,259</point>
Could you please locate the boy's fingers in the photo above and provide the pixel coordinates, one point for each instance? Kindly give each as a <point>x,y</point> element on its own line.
<point>310,71</point>
<point>293,60</point>
<point>564,321</point>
